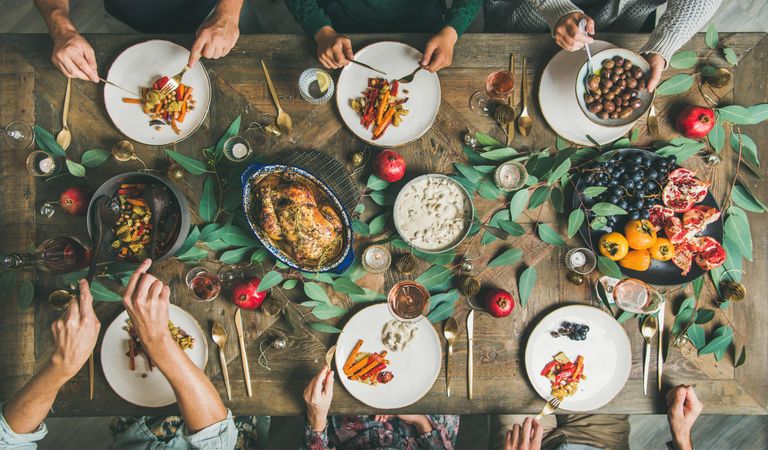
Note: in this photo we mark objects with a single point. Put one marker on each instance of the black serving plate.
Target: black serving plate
(662, 273)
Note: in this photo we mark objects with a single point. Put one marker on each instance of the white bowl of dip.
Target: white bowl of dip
(433, 213)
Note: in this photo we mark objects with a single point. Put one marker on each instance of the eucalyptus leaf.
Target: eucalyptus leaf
(695, 334)
(748, 147)
(730, 56)
(499, 154)
(517, 204)
(593, 191)
(526, 284)
(207, 207)
(101, 293)
(506, 258)
(361, 227)
(716, 137)
(676, 84)
(368, 296)
(513, 228)
(598, 223)
(575, 220)
(26, 294)
(704, 316)
(259, 256)
(681, 152)
(624, 316)
(442, 298)
(710, 38)
(347, 286)
(209, 232)
(442, 312)
(737, 229)
(47, 142)
(238, 237)
(270, 280)
(472, 156)
(486, 140)
(561, 170)
(376, 225)
(193, 254)
(758, 112)
(375, 183)
(561, 143)
(603, 296)
(434, 276)
(634, 134)
(735, 114)
(383, 198)
(321, 277)
(723, 337)
(742, 357)
(316, 292)
(697, 284)
(324, 312)
(484, 168)
(621, 143)
(75, 169)
(234, 256)
(191, 165)
(684, 59)
(550, 236)
(744, 198)
(608, 267)
(557, 199)
(217, 245)
(232, 130)
(539, 196)
(233, 200)
(309, 303)
(191, 240)
(94, 158)
(468, 185)
(607, 209)
(324, 328)
(488, 190)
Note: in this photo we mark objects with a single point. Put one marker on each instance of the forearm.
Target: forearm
(56, 16)
(678, 24)
(229, 8)
(462, 13)
(198, 400)
(309, 15)
(553, 10)
(29, 407)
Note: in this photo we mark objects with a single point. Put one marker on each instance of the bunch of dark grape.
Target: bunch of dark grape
(574, 331)
(634, 182)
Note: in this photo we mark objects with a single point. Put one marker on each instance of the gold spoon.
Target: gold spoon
(329, 355)
(64, 138)
(524, 122)
(450, 331)
(219, 335)
(283, 119)
(648, 329)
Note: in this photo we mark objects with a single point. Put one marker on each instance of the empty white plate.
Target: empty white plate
(559, 105)
(141, 65)
(415, 369)
(397, 60)
(607, 356)
(141, 386)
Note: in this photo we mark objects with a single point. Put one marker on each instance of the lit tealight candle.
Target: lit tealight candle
(376, 259)
(578, 259)
(46, 165)
(239, 150)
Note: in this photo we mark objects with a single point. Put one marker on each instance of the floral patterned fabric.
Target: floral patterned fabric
(363, 432)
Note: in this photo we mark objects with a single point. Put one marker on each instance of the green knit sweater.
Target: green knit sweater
(312, 17)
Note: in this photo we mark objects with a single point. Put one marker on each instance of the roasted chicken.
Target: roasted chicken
(295, 216)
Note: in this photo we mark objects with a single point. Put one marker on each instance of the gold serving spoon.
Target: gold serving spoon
(219, 335)
(64, 138)
(648, 330)
(524, 122)
(450, 331)
(283, 119)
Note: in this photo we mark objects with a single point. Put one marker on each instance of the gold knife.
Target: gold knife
(660, 356)
(510, 102)
(243, 355)
(119, 87)
(470, 338)
(367, 67)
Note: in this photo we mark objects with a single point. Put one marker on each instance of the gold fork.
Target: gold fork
(549, 408)
(173, 83)
(653, 121)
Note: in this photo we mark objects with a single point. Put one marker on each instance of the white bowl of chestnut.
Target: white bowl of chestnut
(616, 94)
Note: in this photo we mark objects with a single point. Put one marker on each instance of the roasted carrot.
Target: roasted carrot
(360, 364)
(381, 126)
(187, 93)
(382, 107)
(180, 92)
(378, 358)
(183, 112)
(157, 108)
(131, 100)
(351, 358)
(175, 127)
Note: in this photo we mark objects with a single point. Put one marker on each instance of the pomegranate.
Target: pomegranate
(246, 295)
(709, 252)
(499, 303)
(696, 220)
(683, 257)
(389, 166)
(75, 201)
(695, 121)
(659, 215)
(683, 190)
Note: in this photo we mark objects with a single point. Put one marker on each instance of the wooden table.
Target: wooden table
(32, 89)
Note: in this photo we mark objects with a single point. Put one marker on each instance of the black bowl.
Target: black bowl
(662, 273)
(178, 211)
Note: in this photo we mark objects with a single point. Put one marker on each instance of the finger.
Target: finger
(678, 399)
(590, 26)
(338, 56)
(582, 38)
(155, 290)
(428, 51)
(196, 51)
(655, 77)
(508, 440)
(527, 427)
(538, 434)
(324, 61)
(208, 50)
(219, 52)
(134, 280)
(317, 389)
(328, 386)
(165, 294)
(515, 435)
(90, 58)
(73, 310)
(74, 71)
(86, 299)
(346, 46)
(142, 290)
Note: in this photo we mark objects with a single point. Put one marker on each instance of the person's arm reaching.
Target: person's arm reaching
(681, 20)
(684, 409)
(318, 396)
(334, 50)
(219, 33)
(438, 53)
(147, 301)
(75, 336)
(72, 54)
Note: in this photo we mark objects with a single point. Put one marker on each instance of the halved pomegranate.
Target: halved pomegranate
(709, 252)
(683, 190)
(659, 215)
(683, 257)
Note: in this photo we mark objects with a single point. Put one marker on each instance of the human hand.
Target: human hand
(567, 34)
(657, 63)
(215, 37)
(317, 396)
(684, 409)
(75, 334)
(333, 50)
(74, 56)
(527, 437)
(147, 301)
(420, 422)
(438, 52)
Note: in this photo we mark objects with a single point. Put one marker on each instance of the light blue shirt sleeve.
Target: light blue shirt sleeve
(218, 436)
(11, 440)
(221, 435)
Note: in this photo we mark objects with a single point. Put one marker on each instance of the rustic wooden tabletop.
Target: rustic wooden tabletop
(31, 89)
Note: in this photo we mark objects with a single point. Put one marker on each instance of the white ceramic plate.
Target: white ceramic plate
(139, 66)
(559, 105)
(607, 356)
(415, 369)
(142, 387)
(397, 60)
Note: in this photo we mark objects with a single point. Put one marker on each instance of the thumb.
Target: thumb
(590, 26)
(678, 400)
(428, 51)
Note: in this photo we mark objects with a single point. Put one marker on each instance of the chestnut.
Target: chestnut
(603, 115)
(609, 106)
(626, 113)
(595, 107)
(608, 64)
(593, 83)
(636, 103)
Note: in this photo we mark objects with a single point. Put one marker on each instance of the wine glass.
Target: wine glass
(634, 296)
(18, 134)
(498, 86)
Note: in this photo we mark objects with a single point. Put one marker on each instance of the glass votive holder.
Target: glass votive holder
(237, 149)
(311, 84)
(42, 164)
(510, 176)
(376, 259)
(205, 286)
(580, 260)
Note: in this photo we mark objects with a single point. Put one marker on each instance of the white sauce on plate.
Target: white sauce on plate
(431, 213)
(397, 335)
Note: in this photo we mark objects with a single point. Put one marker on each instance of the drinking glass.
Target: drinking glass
(637, 297)
(18, 134)
(408, 301)
(498, 86)
(204, 285)
(309, 86)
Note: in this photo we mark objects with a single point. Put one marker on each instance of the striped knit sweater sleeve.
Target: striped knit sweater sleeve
(678, 24)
